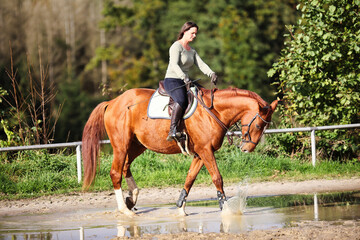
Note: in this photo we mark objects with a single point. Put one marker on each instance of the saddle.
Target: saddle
(163, 92)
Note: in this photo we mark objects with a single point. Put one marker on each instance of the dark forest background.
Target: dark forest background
(82, 52)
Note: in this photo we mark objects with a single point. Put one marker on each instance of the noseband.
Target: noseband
(247, 134)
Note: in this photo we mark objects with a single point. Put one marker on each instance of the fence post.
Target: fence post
(78, 161)
(313, 147)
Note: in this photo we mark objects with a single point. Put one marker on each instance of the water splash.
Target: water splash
(237, 204)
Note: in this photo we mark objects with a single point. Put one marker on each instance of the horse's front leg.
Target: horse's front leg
(210, 163)
(195, 167)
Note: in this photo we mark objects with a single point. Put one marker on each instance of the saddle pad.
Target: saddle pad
(158, 106)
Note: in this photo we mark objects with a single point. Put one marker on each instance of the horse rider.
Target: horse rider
(182, 58)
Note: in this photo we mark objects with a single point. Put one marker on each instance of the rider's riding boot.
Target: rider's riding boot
(176, 115)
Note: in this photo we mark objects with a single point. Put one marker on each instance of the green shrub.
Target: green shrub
(318, 77)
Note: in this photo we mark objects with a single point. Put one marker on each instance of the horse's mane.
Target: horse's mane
(238, 92)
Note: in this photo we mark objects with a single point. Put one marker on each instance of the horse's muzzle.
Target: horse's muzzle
(244, 150)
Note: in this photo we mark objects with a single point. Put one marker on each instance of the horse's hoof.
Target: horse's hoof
(129, 203)
(128, 212)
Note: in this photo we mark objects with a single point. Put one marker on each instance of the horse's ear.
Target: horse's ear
(273, 105)
(269, 108)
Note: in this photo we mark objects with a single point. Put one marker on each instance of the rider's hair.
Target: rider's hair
(185, 28)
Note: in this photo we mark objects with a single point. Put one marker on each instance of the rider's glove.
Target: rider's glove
(214, 78)
(187, 80)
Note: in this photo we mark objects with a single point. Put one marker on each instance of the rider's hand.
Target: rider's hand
(214, 78)
(187, 80)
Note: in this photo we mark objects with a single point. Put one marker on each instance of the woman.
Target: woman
(182, 58)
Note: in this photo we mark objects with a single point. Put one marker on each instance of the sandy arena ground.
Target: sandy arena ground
(302, 230)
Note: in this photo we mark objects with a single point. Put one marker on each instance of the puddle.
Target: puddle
(261, 213)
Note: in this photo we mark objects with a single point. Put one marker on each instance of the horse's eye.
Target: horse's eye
(257, 126)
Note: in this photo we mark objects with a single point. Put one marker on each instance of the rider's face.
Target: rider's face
(190, 34)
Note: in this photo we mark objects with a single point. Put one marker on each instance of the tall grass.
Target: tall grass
(35, 173)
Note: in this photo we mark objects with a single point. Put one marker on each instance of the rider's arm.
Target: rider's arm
(202, 65)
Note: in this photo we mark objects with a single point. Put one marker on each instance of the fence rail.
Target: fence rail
(268, 131)
(312, 130)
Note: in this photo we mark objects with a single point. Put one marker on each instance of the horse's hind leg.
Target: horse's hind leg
(116, 177)
(135, 150)
(133, 192)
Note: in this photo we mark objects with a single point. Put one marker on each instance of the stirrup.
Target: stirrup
(170, 137)
(173, 135)
(183, 143)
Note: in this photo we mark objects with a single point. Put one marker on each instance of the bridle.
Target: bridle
(247, 134)
(223, 126)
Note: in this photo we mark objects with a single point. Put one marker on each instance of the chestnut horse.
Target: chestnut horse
(131, 132)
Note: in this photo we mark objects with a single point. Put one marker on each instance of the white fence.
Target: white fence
(55, 145)
(268, 131)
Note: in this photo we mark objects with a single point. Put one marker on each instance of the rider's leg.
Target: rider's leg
(177, 90)
(176, 116)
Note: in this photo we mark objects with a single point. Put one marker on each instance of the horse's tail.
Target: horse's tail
(94, 131)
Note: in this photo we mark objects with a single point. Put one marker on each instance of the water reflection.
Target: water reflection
(299, 208)
(134, 231)
(82, 234)
(261, 213)
(203, 221)
(316, 208)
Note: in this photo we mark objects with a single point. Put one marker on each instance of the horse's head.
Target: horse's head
(253, 125)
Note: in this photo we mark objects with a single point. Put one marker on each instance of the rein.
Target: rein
(208, 110)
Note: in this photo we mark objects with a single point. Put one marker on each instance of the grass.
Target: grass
(37, 173)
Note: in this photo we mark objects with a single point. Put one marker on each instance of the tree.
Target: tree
(319, 75)
(239, 40)
(56, 36)
(80, 105)
(252, 37)
(132, 52)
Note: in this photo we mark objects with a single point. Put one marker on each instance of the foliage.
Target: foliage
(2, 113)
(318, 76)
(3, 92)
(238, 39)
(77, 106)
(133, 60)
(58, 37)
(115, 45)
(251, 33)
(27, 120)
